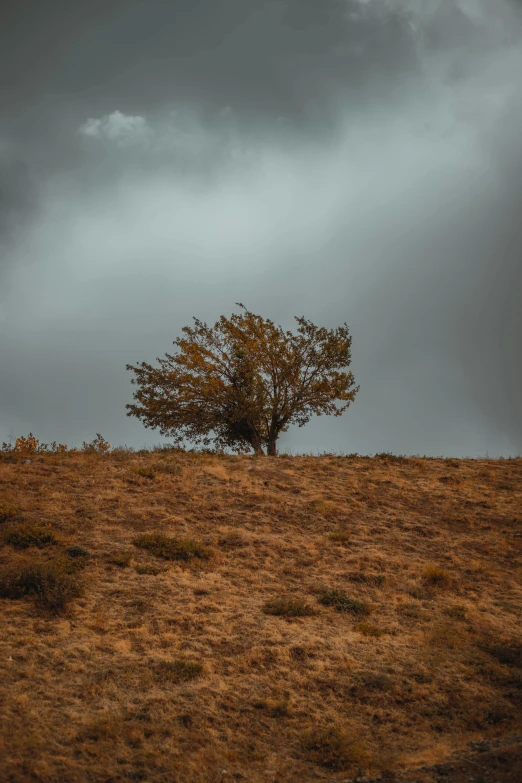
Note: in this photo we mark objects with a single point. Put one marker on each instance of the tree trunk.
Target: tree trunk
(256, 445)
(271, 448)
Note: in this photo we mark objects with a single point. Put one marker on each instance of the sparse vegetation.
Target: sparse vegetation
(170, 669)
(7, 512)
(340, 537)
(120, 560)
(436, 577)
(341, 602)
(77, 552)
(172, 548)
(177, 671)
(289, 607)
(26, 534)
(334, 748)
(51, 584)
(367, 629)
(145, 472)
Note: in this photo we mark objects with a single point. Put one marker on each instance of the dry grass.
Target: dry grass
(136, 643)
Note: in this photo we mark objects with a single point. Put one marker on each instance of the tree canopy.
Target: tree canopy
(243, 381)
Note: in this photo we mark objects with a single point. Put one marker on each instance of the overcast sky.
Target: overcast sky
(339, 159)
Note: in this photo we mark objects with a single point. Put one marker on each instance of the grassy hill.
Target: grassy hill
(195, 618)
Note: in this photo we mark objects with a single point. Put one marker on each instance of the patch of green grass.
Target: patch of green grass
(8, 512)
(177, 671)
(333, 747)
(172, 548)
(343, 603)
(26, 534)
(289, 607)
(51, 584)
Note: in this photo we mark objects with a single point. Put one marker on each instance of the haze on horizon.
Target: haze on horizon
(343, 160)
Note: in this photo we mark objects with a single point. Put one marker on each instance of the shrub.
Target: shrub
(177, 671)
(288, 607)
(7, 512)
(51, 584)
(76, 552)
(27, 447)
(97, 446)
(28, 534)
(77, 558)
(172, 548)
(340, 537)
(436, 577)
(370, 630)
(361, 576)
(508, 653)
(387, 456)
(333, 748)
(148, 569)
(147, 473)
(456, 612)
(121, 560)
(232, 540)
(342, 603)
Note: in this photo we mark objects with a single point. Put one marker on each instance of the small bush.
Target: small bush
(367, 579)
(121, 560)
(28, 534)
(456, 612)
(76, 552)
(7, 512)
(177, 671)
(147, 473)
(172, 548)
(452, 463)
(436, 577)
(508, 653)
(288, 607)
(342, 603)
(148, 569)
(170, 468)
(387, 456)
(340, 537)
(333, 748)
(78, 557)
(50, 584)
(370, 630)
(232, 540)
(97, 446)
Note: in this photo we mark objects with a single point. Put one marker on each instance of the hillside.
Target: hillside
(333, 616)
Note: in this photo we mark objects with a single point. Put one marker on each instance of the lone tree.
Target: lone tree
(242, 382)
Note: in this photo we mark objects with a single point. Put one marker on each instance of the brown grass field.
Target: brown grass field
(333, 617)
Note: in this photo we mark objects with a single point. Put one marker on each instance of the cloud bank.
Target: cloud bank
(365, 167)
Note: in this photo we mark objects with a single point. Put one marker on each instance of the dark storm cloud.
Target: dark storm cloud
(353, 161)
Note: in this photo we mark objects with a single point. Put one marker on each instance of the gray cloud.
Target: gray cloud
(343, 160)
